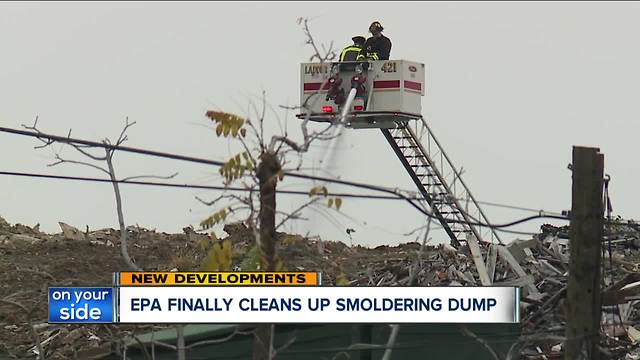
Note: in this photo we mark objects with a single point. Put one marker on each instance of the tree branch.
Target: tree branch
(123, 137)
(391, 342)
(235, 332)
(34, 127)
(307, 138)
(62, 161)
(416, 265)
(297, 211)
(86, 153)
(284, 346)
(466, 332)
(222, 197)
(328, 55)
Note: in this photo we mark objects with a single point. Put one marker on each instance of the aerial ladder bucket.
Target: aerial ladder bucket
(387, 94)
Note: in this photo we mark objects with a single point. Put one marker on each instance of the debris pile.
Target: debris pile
(31, 260)
(546, 258)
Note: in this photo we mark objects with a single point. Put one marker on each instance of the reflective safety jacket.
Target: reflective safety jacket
(376, 48)
(368, 56)
(350, 53)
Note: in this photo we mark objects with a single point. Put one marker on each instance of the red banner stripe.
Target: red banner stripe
(311, 86)
(412, 85)
(386, 84)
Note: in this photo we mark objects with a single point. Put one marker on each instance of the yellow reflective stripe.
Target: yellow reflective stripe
(369, 55)
(347, 50)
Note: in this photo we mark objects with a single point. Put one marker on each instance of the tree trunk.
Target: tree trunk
(268, 177)
(123, 229)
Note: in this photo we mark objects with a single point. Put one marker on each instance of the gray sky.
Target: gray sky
(510, 88)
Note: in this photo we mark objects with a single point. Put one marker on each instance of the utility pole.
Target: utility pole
(583, 291)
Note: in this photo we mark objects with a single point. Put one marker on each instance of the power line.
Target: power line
(192, 186)
(211, 187)
(517, 232)
(513, 207)
(292, 192)
(69, 139)
(220, 163)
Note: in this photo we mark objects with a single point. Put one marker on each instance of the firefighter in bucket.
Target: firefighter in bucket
(378, 46)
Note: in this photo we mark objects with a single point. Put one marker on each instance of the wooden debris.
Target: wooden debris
(515, 266)
(71, 233)
(477, 259)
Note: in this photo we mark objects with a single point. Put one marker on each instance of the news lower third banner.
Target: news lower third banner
(82, 305)
(294, 299)
(219, 278)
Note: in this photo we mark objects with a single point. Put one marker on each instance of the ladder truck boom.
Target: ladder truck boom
(388, 95)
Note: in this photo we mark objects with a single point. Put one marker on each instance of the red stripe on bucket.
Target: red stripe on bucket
(412, 85)
(315, 86)
(386, 84)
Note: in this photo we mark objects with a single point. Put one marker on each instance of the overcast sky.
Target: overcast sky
(510, 88)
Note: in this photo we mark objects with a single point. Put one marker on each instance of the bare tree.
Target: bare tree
(94, 161)
(260, 166)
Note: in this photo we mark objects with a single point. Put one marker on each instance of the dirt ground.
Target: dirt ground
(27, 269)
(31, 261)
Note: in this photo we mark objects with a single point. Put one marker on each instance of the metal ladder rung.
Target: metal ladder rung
(425, 160)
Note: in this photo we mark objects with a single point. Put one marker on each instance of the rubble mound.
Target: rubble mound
(31, 260)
